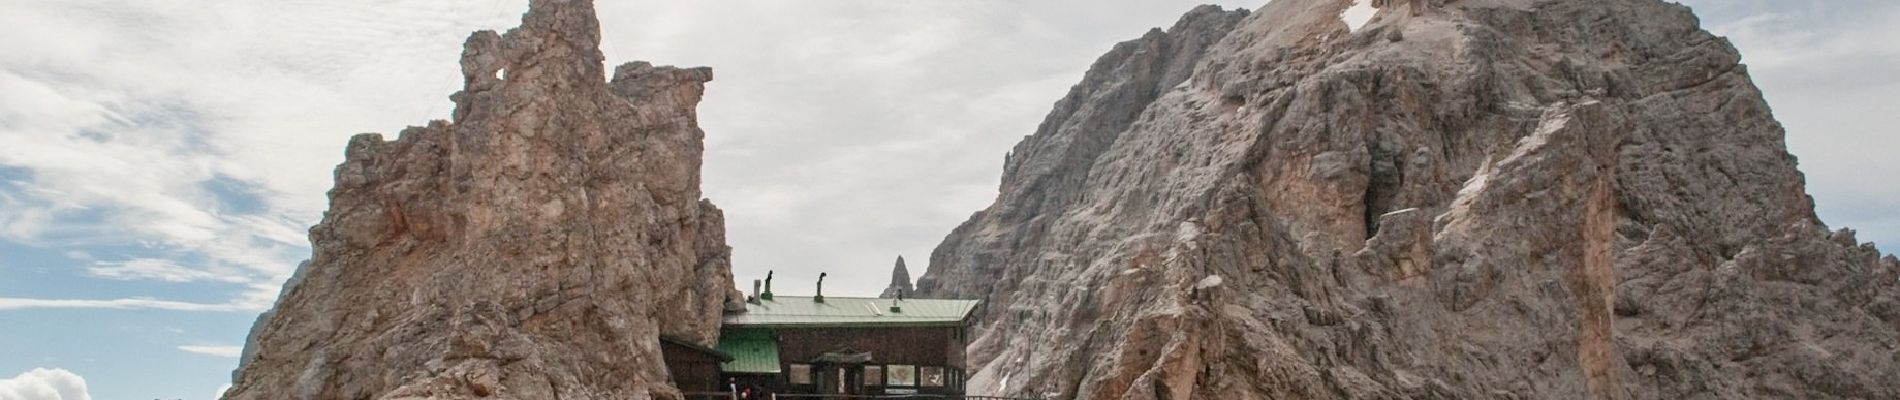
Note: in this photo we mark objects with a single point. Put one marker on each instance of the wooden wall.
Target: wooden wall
(915, 346)
(693, 370)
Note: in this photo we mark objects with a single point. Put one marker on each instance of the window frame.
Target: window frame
(795, 371)
(872, 376)
(924, 377)
(891, 375)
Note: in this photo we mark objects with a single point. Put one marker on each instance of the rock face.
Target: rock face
(534, 248)
(1473, 199)
(900, 282)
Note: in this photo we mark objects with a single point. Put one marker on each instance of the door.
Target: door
(841, 379)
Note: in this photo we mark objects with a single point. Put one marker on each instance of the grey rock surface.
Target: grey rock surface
(535, 247)
(901, 285)
(1502, 199)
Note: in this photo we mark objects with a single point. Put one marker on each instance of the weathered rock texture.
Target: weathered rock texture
(1488, 199)
(534, 248)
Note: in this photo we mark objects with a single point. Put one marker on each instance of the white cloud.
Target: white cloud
(134, 120)
(221, 390)
(220, 351)
(156, 269)
(135, 303)
(257, 296)
(45, 384)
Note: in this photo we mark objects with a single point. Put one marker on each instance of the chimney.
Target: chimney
(755, 292)
(820, 296)
(767, 296)
(897, 309)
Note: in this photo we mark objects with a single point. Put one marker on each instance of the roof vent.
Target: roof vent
(767, 296)
(754, 299)
(820, 296)
(897, 309)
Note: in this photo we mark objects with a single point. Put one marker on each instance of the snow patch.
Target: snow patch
(1398, 212)
(1211, 281)
(1358, 15)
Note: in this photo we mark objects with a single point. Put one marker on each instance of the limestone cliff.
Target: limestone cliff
(1462, 199)
(535, 247)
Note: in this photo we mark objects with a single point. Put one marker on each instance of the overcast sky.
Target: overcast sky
(161, 160)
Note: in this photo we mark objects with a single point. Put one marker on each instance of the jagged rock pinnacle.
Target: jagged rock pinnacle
(900, 282)
(534, 247)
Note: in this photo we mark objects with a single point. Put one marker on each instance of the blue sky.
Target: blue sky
(161, 160)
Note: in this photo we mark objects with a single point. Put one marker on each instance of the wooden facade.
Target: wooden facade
(851, 346)
(694, 368)
(898, 360)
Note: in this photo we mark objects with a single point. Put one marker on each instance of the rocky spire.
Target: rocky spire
(900, 281)
(534, 247)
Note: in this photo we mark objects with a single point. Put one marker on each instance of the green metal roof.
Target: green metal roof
(789, 311)
(722, 356)
(753, 351)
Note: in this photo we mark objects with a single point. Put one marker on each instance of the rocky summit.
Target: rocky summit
(900, 282)
(535, 247)
(1476, 199)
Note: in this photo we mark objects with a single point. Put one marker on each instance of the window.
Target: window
(901, 375)
(932, 376)
(873, 376)
(799, 374)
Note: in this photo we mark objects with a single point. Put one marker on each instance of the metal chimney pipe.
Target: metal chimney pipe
(820, 296)
(768, 287)
(755, 292)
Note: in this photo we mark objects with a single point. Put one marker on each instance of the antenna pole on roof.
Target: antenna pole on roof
(820, 296)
